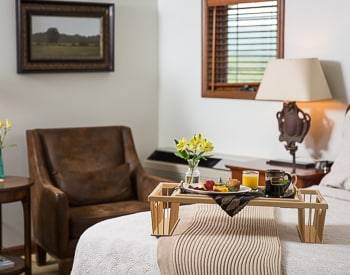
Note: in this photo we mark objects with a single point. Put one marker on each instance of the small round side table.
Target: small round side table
(14, 189)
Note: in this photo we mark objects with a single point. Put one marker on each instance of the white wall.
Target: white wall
(313, 29)
(125, 97)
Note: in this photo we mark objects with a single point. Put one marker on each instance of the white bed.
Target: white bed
(124, 245)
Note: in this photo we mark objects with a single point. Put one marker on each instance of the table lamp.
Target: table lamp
(291, 80)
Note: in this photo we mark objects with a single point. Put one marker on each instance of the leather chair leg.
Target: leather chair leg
(65, 266)
(40, 255)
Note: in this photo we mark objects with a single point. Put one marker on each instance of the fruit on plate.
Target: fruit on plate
(220, 188)
(209, 185)
(233, 185)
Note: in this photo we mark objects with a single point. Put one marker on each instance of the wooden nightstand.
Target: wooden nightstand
(306, 177)
(11, 190)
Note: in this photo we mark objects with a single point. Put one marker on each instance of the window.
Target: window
(239, 38)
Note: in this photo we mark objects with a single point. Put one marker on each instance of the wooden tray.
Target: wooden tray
(310, 205)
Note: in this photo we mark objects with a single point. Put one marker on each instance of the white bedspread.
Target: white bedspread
(124, 245)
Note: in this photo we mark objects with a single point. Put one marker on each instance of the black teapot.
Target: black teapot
(277, 182)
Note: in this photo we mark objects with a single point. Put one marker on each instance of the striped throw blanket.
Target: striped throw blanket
(209, 242)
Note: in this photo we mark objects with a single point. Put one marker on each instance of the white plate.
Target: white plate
(242, 189)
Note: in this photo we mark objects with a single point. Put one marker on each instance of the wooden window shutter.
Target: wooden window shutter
(239, 38)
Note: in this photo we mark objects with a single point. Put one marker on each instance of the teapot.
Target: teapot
(277, 182)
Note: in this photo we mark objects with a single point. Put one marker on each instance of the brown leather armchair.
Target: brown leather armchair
(82, 176)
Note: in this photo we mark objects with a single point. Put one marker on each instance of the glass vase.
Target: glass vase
(192, 175)
(2, 170)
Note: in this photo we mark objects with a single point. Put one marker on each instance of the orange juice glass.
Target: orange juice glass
(250, 179)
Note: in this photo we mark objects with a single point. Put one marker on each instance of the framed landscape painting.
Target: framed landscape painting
(64, 36)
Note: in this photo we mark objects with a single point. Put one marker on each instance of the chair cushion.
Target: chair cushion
(101, 186)
(83, 217)
(83, 149)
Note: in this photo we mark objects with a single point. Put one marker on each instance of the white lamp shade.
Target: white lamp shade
(294, 80)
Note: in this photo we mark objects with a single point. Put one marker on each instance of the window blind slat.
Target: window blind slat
(230, 2)
(252, 7)
(244, 62)
(246, 44)
(255, 14)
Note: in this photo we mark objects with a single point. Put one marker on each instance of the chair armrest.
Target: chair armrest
(146, 184)
(52, 217)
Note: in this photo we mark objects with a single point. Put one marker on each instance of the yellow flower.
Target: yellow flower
(206, 146)
(195, 147)
(2, 123)
(195, 142)
(182, 145)
(8, 124)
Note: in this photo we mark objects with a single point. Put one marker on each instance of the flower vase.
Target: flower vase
(2, 170)
(192, 174)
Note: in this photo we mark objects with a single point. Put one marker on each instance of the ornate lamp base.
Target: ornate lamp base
(293, 124)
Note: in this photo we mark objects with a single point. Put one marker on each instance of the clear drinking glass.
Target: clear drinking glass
(250, 179)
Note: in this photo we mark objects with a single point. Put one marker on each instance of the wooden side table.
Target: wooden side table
(306, 177)
(11, 190)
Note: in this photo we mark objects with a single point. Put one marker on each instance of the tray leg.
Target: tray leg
(319, 221)
(165, 217)
(301, 224)
(174, 216)
(312, 232)
(157, 213)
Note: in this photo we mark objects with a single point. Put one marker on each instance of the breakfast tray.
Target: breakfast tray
(166, 198)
